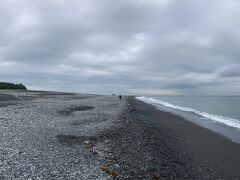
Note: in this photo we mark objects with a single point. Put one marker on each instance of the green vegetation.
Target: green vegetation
(4, 85)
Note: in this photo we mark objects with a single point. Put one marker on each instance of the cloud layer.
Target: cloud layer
(135, 46)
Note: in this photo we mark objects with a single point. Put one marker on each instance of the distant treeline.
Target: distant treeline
(4, 85)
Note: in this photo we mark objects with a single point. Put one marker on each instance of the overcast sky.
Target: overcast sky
(147, 47)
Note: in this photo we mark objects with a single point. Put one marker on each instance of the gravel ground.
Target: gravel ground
(48, 135)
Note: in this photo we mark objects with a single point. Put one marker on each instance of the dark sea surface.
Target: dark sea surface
(218, 113)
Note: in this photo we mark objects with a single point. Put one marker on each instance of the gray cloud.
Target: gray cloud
(136, 46)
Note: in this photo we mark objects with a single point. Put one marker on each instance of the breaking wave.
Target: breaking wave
(217, 118)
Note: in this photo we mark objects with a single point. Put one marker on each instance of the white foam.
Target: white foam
(217, 118)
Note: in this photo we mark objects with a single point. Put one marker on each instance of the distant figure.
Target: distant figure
(120, 97)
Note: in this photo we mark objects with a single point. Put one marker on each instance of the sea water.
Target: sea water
(218, 113)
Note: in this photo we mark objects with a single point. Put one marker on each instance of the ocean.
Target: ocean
(221, 114)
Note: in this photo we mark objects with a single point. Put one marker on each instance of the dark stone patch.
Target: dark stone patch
(7, 97)
(69, 111)
(83, 97)
(71, 140)
(27, 98)
(88, 121)
(6, 104)
(48, 93)
(8, 100)
(80, 140)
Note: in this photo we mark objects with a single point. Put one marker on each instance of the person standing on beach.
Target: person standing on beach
(120, 97)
